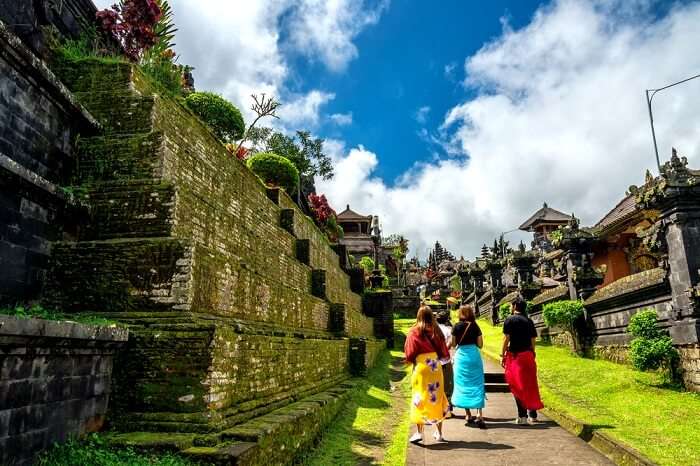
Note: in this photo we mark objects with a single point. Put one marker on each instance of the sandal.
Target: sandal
(480, 423)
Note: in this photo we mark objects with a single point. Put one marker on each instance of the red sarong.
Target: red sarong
(521, 375)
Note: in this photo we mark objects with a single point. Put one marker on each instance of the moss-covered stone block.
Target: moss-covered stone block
(357, 357)
(318, 283)
(357, 279)
(336, 319)
(303, 251)
(287, 220)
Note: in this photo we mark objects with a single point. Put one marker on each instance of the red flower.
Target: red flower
(322, 211)
(132, 25)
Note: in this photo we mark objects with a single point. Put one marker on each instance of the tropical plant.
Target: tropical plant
(565, 314)
(263, 107)
(224, 119)
(305, 152)
(367, 264)
(651, 349)
(325, 217)
(132, 23)
(274, 170)
(504, 311)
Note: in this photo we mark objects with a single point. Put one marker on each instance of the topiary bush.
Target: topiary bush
(224, 119)
(564, 314)
(274, 170)
(643, 325)
(504, 311)
(651, 349)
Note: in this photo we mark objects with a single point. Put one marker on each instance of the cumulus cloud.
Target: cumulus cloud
(421, 115)
(236, 47)
(558, 115)
(304, 110)
(341, 119)
(326, 28)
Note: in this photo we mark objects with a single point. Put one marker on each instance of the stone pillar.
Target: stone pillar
(466, 280)
(582, 278)
(524, 264)
(676, 194)
(379, 306)
(495, 279)
(357, 354)
(477, 274)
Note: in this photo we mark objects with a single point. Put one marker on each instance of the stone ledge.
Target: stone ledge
(618, 452)
(42, 329)
(628, 286)
(550, 295)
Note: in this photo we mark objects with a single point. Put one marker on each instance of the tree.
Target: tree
(565, 314)
(304, 151)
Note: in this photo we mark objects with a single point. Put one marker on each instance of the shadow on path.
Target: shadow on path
(463, 445)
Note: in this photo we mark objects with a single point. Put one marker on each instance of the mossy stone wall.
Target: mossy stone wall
(184, 243)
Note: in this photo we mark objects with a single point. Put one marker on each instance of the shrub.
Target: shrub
(274, 170)
(219, 114)
(367, 264)
(650, 349)
(564, 314)
(643, 325)
(504, 311)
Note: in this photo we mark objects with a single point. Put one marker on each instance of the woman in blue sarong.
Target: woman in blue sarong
(469, 392)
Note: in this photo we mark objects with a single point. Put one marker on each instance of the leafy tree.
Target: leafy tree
(564, 314)
(367, 264)
(304, 151)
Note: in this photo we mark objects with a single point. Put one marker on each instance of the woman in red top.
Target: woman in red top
(425, 348)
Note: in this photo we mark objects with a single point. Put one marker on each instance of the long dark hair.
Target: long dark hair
(426, 324)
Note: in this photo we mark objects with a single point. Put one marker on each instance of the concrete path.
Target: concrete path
(503, 443)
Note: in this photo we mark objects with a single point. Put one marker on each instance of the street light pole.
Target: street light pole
(650, 93)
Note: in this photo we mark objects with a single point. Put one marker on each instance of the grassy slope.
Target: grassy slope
(365, 431)
(93, 451)
(662, 424)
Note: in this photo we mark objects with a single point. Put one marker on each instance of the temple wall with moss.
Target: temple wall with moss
(240, 311)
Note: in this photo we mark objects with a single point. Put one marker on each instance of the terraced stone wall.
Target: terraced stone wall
(230, 288)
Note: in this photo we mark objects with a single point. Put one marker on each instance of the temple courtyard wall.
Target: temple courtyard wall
(245, 324)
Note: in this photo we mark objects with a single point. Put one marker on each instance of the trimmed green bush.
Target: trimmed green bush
(564, 314)
(650, 349)
(643, 325)
(504, 311)
(224, 119)
(274, 170)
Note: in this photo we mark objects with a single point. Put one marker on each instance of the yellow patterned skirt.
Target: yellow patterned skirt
(429, 403)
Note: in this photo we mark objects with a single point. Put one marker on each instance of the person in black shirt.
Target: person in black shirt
(518, 359)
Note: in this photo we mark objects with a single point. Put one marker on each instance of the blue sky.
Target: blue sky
(401, 68)
(543, 101)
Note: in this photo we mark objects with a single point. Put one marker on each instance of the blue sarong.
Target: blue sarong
(469, 392)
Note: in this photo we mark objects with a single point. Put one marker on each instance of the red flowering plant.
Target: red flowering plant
(132, 23)
(241, 152)
(325, 217)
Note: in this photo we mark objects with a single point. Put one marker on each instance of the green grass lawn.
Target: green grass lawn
(631, 406)
(366, 431)
(93, 451)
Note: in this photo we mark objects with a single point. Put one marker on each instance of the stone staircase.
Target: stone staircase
(245, 323)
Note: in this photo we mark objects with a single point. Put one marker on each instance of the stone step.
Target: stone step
(119, 158)
(139, 209)
(497, 388)
(494, 377)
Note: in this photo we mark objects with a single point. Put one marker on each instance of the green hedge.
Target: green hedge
(274, 170)
(224, 119)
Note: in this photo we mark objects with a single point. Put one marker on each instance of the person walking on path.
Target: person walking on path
(518, 359)
(443, 320)
(425, 348)
(469, 392)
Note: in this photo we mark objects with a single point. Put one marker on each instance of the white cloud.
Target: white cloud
(449, 71)
(559, 115)
(325, 29)
(236, 47)
(421, 115)
(341, 119)
(303, 111)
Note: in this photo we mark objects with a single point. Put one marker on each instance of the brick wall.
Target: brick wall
(54, 382)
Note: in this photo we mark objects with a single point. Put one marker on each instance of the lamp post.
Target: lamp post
(650, 96)
(375, 232)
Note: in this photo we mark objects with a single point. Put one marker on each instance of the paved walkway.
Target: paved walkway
(503, 443)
